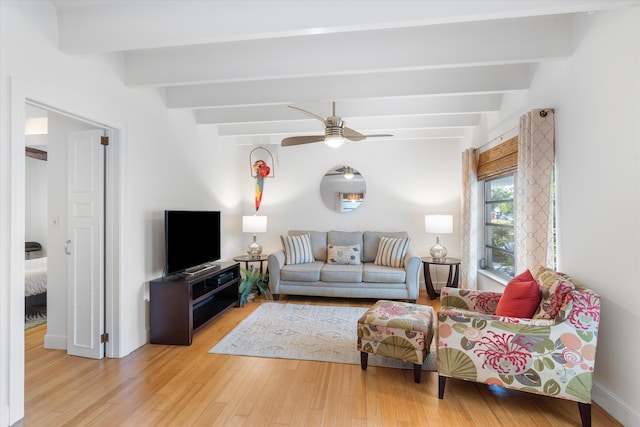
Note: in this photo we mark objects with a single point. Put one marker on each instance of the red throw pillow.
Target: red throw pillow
(523, 277)
(521, 297)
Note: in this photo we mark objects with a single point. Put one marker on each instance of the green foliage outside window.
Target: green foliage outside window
(499, 225)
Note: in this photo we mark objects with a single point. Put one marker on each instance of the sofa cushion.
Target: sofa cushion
(309, 272)
(343, 254)
(373, 273)
(297, 249)
(391, 252)
(345, 238)
(318, 242)
(341, 273)
(372, 240)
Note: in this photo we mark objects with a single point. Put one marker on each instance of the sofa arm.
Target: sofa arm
(412, 264)
(275, 262)
(468, 299)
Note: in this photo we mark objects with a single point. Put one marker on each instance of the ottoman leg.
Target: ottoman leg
(417, 370)
(364, 360)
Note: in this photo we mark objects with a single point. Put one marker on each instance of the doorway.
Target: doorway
(70, 325)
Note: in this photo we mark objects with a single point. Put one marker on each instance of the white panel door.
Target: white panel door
(85, 244)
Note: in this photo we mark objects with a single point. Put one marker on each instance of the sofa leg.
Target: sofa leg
(442, 381)
(417, 370)
(364, 360)
(276, 297)
(585, 413)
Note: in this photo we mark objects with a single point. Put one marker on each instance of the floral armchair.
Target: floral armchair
(552, 354)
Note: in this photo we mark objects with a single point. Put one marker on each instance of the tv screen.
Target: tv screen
(191, 238)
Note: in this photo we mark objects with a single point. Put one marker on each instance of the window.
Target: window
(499, 244)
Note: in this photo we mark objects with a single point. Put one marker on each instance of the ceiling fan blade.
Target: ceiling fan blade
(363, 137)
(299, 140)
(353, 135)
(309, 113)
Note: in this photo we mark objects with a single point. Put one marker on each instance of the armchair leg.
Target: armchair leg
(442, 381)
(585, 413)
(364, 360)
(276, 297)
(417, 370)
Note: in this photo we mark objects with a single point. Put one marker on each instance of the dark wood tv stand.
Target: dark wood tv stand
(183, 303)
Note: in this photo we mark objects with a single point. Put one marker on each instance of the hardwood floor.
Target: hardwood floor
(184, 386)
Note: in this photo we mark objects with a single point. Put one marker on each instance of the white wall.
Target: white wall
(596, 97)
(405, 180)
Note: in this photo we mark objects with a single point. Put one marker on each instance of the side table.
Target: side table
(248, 258)
(452, 280)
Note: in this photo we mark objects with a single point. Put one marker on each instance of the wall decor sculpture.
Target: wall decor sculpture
(260, 170)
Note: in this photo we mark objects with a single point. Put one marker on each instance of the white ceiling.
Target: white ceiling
(417, 69)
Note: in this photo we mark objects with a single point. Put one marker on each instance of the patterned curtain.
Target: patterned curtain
(469, 264)
(533, 218)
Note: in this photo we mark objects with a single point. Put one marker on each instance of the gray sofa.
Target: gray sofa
(365, 280)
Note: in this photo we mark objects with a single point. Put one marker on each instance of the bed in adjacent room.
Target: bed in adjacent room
(35, 272)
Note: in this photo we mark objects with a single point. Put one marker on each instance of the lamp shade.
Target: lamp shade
(438, 224)
(254, 224)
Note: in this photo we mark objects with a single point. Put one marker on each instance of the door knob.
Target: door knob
(66, 247)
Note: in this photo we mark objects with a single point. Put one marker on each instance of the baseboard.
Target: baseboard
(55, 342)
(614, 406)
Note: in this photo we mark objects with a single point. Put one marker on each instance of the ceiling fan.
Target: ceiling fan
(335, 131)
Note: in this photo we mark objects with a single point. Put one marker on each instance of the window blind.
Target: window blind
(499, 160)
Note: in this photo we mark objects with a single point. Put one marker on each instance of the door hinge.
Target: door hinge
(104, 337)
(104, 140)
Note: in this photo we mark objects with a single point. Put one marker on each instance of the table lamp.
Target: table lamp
(254, 224)
(438, 224)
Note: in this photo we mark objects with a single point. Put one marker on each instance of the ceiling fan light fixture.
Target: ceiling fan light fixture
(334, 141)
(348, 172)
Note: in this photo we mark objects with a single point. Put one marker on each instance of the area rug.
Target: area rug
(305, 332)
(34, 316)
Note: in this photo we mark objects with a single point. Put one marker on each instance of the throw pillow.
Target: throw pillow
(391, 252)
(525, 276)
(555, 287)
(297, 249)
(343, 254)
(521, 297)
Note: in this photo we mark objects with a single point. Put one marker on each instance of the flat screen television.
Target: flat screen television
(192, 238)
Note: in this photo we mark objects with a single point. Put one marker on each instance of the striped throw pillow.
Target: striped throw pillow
(391, 252)
(297, 249)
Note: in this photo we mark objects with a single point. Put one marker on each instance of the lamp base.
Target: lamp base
(437, 251)
(254, 249)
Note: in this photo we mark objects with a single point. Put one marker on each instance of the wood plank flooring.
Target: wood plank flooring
(185, 386)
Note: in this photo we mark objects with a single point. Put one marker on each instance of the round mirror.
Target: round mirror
(342, 189)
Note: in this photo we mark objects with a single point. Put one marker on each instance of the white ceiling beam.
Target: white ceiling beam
(363, 125)
(422, 105)
(88, 26)
(436, 46)
(258, 140)
(392, 84)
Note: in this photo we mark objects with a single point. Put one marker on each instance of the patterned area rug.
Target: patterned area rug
(35, 316)
(305, 332)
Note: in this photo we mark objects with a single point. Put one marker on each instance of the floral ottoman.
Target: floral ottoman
(398, 330)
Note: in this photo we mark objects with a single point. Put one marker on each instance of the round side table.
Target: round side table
(248, 258)
(452, 280)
